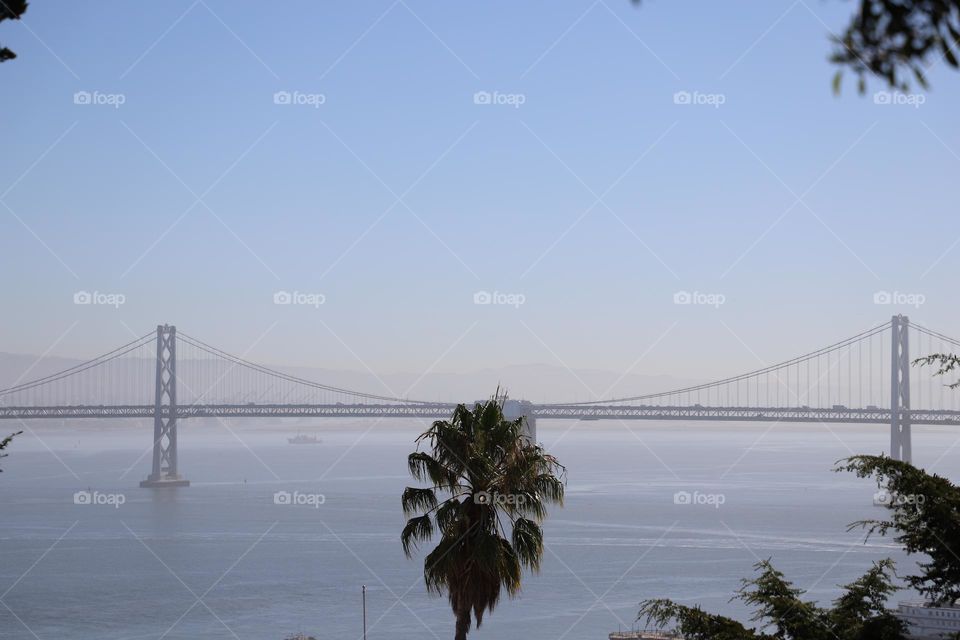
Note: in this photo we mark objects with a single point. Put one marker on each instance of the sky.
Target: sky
(586, 164)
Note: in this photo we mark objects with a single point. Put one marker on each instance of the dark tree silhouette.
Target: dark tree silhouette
(896, 40)
(925, 515)
(860, 613)
(5, 442)
(10, 10)
(495, 484)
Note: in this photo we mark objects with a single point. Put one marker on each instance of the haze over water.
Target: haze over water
(264, 570)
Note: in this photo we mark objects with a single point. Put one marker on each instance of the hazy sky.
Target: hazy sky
(584, 188)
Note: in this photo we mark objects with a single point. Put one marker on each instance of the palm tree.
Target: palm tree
(498, 484)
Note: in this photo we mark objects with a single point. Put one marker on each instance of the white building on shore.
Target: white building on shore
(927, 622)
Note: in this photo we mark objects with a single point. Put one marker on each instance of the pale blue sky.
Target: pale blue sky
(704, 199)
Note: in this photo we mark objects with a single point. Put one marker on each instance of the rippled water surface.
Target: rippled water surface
(221, 560)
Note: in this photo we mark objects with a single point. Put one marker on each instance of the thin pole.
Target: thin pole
(364, 591)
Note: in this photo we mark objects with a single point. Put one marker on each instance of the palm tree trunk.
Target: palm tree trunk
(463, 624)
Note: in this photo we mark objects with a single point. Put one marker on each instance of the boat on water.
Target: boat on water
(303, 439)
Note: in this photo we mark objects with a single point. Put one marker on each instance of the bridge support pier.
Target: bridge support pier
(164, 473)
(513, 409)
(900, 439)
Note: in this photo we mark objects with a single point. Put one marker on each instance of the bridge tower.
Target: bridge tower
(900, 441)
(164, 473)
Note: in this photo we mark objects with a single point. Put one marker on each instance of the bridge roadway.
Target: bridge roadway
(543, 412)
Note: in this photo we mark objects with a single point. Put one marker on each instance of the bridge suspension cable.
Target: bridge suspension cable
(770, 370)
(285, 377)
(84, 366)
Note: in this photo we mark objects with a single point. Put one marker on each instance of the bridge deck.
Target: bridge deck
(440, 411)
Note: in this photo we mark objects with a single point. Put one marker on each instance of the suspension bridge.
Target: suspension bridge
(170, 376)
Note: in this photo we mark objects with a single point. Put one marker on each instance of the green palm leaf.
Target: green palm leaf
(496, 486)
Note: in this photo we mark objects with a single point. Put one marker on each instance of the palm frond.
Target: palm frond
(414, 500)
(417, 530)
(528, 543)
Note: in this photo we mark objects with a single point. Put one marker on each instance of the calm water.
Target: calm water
(263, 570)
